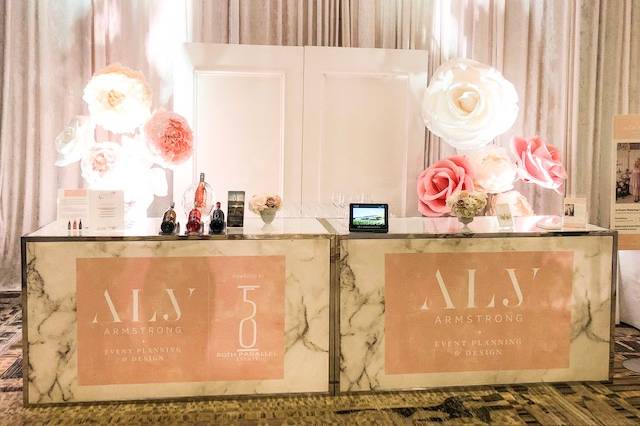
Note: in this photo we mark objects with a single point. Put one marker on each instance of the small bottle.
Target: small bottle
(168, 224)
(69, 226)
(75, 225)
(194, 222)
(216, 226)
(201, 193)
(80, 224)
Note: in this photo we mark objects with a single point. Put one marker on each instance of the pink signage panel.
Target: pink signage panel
(447, 312)
(180, 319)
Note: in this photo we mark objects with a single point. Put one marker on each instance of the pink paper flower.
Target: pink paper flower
(538, 162)
(169, 137)
(439, 181)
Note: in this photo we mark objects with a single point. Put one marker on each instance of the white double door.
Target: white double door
(318, 125)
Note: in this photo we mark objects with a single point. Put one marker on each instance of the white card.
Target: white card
(575, 213)
(107, 210)
(503, 213)
(73, 208)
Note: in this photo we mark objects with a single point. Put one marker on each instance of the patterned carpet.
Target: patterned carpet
(616, 403)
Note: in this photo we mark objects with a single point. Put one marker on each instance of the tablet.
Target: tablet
(368, 217)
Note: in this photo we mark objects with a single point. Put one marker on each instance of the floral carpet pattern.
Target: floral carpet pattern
(615, 403)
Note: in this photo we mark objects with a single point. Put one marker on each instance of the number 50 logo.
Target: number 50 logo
(248, 328)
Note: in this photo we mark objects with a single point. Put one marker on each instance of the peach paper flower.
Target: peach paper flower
(538, 162)
(439, 181)
(119, 98)
(169, 137)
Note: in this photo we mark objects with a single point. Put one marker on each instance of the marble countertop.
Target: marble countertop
(486, 226)
(449, 226)
(150, 229)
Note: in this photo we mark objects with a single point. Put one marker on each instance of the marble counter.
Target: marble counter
(134, 317)
(304, 306)
(420, 312)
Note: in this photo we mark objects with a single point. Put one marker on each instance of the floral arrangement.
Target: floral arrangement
(135, 145)
(468, 104)
(260, 203)
(491, 171)
(467, 204)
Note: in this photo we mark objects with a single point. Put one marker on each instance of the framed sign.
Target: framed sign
(625, 171)
(235, 209)
(575, 213)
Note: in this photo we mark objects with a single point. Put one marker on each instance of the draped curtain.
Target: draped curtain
(574, 64)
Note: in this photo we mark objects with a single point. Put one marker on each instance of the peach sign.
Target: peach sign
(448, 312)
(180, 319)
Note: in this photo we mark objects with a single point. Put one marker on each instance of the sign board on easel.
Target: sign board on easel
(625, 202)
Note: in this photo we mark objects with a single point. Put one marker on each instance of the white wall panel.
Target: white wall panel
(362, 128)
(360, 131)
(245, 106)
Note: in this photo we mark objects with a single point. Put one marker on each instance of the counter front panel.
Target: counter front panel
(418, 313)
(112, 320)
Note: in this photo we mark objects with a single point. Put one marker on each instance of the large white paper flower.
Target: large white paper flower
(494, 172)
(119, 99)
(74, 140)
(468, 104)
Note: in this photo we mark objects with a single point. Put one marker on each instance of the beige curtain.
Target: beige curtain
(574, 63)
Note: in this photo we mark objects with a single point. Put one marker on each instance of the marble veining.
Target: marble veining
(52, 329)
(362, 311)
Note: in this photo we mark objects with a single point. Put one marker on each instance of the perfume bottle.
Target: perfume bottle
(194, 222)
(201, 193)
(216, 226)
(168, 224)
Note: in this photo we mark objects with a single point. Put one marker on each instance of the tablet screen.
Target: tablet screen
(368, 217)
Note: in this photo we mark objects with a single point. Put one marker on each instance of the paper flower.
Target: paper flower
(259, 203)
(538, 162)
(169, 137)
(74, 140)
(467, 203)
(439, 181)
(468, 104)
(493, 169)
(119, 99)
(519, 204)
(101, 166)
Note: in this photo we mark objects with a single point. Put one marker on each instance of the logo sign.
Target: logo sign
(477, 311)
(157, 320)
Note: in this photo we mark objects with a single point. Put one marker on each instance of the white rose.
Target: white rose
(518, 202)
(493, 169)
(468, 104)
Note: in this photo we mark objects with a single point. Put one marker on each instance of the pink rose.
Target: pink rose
(538, 162)
(439, 181)
(169, 136)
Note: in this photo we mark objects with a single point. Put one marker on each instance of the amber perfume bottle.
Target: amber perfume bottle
(168, 224)
(201, 193)
(195, 221)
